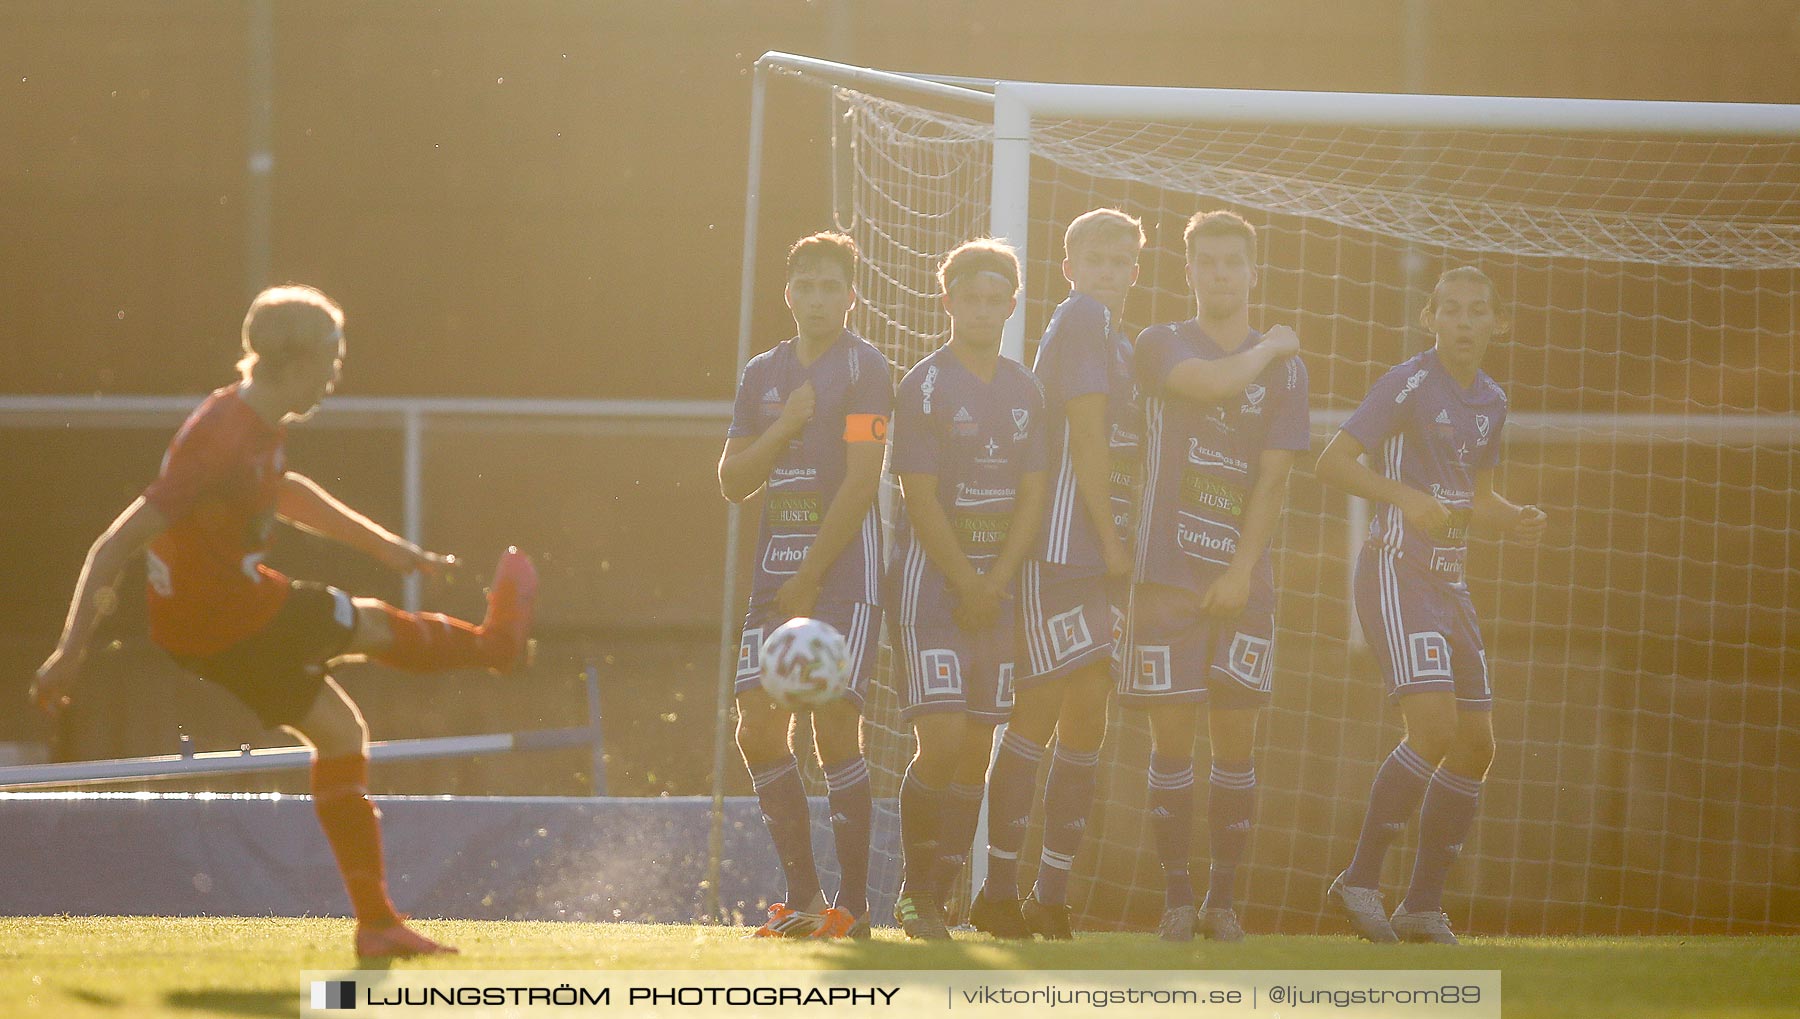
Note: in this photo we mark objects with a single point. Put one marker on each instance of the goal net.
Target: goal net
(1646, 659)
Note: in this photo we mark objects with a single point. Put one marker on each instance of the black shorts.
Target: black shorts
(279, 671)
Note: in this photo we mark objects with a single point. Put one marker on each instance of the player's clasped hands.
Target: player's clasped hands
(1228, 595)
(979, 604)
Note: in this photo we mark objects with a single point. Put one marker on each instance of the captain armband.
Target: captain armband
(865, 427)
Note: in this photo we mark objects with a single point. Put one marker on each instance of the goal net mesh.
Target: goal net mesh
(1644, 659)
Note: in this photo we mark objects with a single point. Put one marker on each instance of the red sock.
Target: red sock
(431, 642)
(340, 788)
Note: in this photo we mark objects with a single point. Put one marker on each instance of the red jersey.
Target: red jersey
(217, 488)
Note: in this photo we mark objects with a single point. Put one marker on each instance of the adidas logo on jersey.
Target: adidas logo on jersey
(772, 396)
(1443, 417)
(963, 416)
(1243, 825)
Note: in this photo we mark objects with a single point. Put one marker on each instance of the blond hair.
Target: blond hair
(1089, 227)
(284, 323)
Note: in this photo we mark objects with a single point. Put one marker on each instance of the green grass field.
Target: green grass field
(153, 967)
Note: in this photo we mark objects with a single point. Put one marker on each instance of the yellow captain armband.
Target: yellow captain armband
(865, 427)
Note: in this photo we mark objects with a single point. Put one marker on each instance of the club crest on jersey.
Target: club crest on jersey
(1481, 427)
(963, 423)
(1021, 420)
(1253, 395)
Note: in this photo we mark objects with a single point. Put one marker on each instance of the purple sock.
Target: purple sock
(1171, 822)
(783, 802)
(960, 813)
(1011, 782)
(847, 792)
(1449, 812)
(920, 806)
(1393, 800)
(1231, 801)
(1068, 799)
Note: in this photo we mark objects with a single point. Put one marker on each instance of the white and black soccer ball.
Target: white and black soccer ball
(805, 663)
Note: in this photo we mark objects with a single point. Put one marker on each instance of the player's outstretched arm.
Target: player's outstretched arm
(1205, 381)
(302, 503)
(1495, 514)
(1341, 467)
(1230, 592)
(94, 599)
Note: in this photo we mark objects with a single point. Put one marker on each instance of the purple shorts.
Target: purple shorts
(859, 622)
(1422, 630)
(1179, 653)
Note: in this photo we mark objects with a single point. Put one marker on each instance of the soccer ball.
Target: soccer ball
(805, 663)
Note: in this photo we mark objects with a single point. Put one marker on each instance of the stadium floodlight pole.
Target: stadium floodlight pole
(734, 514)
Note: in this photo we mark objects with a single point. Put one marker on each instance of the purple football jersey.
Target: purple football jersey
(1081, 355)
(851, 377)
(1201, 459)
(978, 438)
(1423, 429)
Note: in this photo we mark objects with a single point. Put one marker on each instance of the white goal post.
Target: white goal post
(1650, 729)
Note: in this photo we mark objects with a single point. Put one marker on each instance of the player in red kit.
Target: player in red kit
(205, 525)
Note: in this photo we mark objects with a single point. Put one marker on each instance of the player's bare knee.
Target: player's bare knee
(1172, 730)
(977, 753)
(837, 731)
(939, 738)
(1431, 724)
(1473, 752)
(1035, 715)
(761, 729)
(333, 725)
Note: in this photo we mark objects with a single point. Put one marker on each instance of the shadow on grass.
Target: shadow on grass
(257, 1003)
